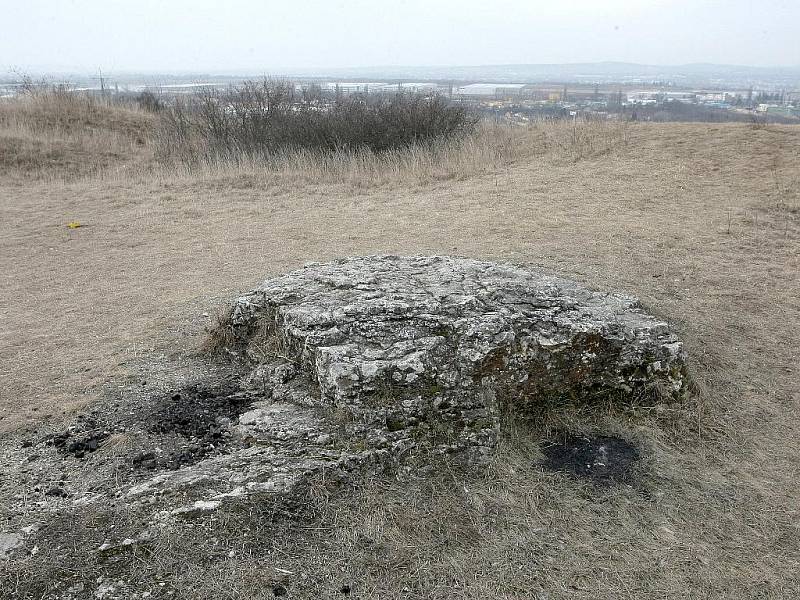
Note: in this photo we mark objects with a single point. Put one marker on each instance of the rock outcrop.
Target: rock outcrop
(371, 364)
(351, 368)
(436, 348)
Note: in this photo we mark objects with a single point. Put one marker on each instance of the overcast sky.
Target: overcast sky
(267, 35)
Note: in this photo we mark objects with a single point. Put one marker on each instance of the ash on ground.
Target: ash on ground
(603, 459)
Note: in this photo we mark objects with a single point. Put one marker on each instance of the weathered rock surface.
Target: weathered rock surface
(436, 347)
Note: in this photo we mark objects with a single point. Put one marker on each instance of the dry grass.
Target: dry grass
(687, 217)
(492, 148)
(60, 135)
(220, 332)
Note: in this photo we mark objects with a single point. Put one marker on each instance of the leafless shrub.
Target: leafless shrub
(150, 102)
(262, 119)
(757, 122)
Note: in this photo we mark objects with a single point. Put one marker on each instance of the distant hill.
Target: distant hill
(695, 74)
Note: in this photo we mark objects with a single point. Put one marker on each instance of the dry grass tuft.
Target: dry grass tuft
(58, 110)
(221, 338)
(58, 134)
(579, 139)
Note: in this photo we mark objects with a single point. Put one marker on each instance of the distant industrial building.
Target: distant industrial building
(679, 96)
(379, 87)
(483, 90)
(646, 97)
(359, 87)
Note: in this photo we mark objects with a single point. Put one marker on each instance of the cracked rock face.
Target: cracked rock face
(437, 347)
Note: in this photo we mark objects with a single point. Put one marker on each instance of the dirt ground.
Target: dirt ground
(702, 222)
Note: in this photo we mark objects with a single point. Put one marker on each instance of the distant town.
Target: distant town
(661, 98)
(522, 102)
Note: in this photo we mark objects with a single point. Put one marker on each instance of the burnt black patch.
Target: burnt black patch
(78, 444)
(84, 437)
(145, 460)
(603, 459)
(200, 415)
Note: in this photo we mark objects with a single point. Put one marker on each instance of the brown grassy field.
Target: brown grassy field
(701, 222)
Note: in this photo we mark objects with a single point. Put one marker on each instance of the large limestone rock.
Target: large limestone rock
(367, 365)
(364, 366)
(435, 348)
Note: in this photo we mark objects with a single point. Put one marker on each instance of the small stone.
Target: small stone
(284, 373)
(56, 492)
(8, 543)
(144, 460)
(395, 423)
(199, 507)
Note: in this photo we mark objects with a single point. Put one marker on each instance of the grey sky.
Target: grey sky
(267, 35)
